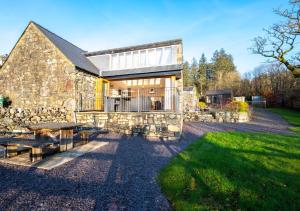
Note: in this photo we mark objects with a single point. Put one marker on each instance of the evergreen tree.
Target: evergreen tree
(194, 72)
(222, 65)
(203, 67)
(222, 62)
(186, 74)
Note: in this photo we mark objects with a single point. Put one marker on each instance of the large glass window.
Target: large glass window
(143, 58)
(128, 60)
(159, 56)
(115, 61)
(167, 57)
(151, 57)
(135, 59)
(122, 60)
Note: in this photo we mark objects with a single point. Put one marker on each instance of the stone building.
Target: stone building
(44, 70)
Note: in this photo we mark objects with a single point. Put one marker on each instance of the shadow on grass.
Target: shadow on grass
(212, 175)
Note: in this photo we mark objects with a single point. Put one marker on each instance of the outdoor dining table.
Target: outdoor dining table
(44, 130)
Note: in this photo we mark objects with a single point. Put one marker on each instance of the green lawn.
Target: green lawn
(291, 116)
(295, 129)
(232, 170)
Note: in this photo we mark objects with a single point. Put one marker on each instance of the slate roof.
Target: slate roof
(72, 52)
(135, 47)
(79, 57)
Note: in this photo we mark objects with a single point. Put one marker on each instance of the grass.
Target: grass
(291, 116)
(295, 129)
(232, 170)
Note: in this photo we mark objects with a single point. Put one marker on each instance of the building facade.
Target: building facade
(44, 70)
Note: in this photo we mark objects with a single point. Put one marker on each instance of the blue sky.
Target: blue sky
(204, 25)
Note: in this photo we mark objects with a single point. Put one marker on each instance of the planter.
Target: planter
(243, 117)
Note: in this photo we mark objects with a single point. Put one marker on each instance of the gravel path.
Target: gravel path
(119, 176)
(262, 121)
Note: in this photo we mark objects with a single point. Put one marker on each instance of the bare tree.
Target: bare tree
(280, 39)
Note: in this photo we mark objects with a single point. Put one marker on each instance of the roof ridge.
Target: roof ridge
(84, 51)
(165, 42)
(71, 51)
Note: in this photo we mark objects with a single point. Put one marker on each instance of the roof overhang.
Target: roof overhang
(167, 70)
(135, 47)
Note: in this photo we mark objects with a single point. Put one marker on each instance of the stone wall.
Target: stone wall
(37, 74)
(189, 101)
(159, 124)
(217, 116)
(85, 91)
(12, 119)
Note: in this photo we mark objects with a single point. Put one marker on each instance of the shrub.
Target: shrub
(202, 105)
(237, 106)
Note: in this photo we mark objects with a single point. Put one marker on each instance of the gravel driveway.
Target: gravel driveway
(118, 176)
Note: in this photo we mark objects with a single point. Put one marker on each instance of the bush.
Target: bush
(237, 106)
(202, 105)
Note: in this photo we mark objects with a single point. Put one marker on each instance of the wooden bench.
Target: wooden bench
(14, 150)
(38, 149)
(85, 136)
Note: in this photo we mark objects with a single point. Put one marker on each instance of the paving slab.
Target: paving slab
(55, 160)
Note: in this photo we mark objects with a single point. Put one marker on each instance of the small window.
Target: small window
(140, 82)
(152, 80)
(157, 81)
(146, 81)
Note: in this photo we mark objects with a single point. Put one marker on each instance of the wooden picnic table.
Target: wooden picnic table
(45, 135)
(35, 146)
(44, 131)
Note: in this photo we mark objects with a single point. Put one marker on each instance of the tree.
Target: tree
(194, 72)
(280, 39)
(273, 81)
(220, 73)
(222, 65)
(186, 74)
(203, 67)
